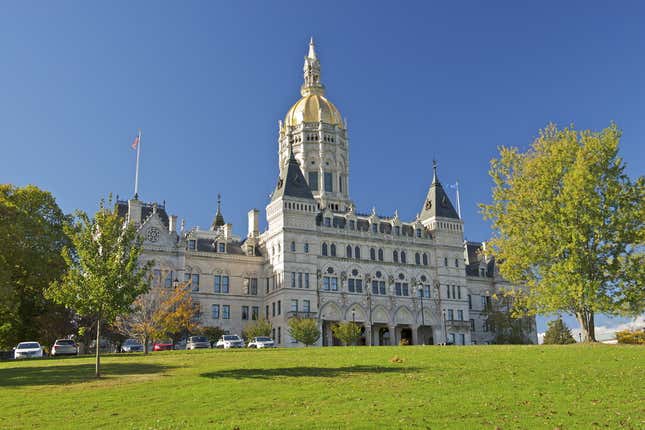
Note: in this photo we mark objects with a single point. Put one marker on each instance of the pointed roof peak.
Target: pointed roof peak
(218, 221)
(312, 49)
(434, 171)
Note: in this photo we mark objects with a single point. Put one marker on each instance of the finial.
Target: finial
(219, 202)
(312, 49)
(291, 154)
(434, 170)
(396, 214)
(183, 224)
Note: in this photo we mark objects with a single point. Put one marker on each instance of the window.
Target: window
(448, 291)
(328, 182)
(306, 280)
(306, 306)
(418, 232)
(220, 284)
(472, 325)
(327, 222)
(445, 261)
(195, 281)
(226, 312)
(333, 250)
(425, 259)
(313, 181)
(425, 291)
(348, 251)
(482, 272)
(340, 183)
(191, 245)
(255, 312)
(293, 279)
(279, 335)
(245, 312)
(470, 302)
(294, 305)
(268, 282)
(222, 247)
(397, 230)
(417, 258)
(330, 283)
(454, 296)
(456, 262)
(357, 253)
(462, 339)
(378, 287)
(306, 248)
(293, 246)
(324, 249)
(253, 286)
(451, 336)
(355, 285)
(459, 292)
(380, 255)
(279, 307)
(401, 289)
(460, 315)
(168, 281)
(374, 228)
(403, 258)
(299, 279)
(215, 312)
(451, 314)
(395, 256)
(273, 309)
(266, 312)
(372, 253)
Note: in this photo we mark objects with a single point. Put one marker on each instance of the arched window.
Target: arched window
(445, 261)
(348, 251)
(333, 250)
(293, 246)
(324, 249)
(403, 259)
(417, 258)
(395, 256)
(425, 259)
(357, 253)
(306, 247)
(380, 254)
(372, 254)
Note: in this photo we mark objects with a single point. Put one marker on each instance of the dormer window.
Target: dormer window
(327, 222)
(397, 230)
(191, 244)
(352, 224)
(221, 247)
(374, 228)
(418, 232)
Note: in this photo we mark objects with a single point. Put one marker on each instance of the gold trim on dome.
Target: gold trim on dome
(310, 108)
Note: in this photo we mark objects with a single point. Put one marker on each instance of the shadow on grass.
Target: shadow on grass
(311, 372)
(59, 375)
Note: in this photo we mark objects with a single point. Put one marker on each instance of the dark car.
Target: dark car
(131, 345)
(196, 342)
(163, 345)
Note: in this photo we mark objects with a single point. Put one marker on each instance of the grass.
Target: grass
(489, 387)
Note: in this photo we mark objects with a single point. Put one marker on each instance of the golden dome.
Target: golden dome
(310, 108)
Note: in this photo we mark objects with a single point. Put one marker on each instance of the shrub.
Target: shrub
(634, 337)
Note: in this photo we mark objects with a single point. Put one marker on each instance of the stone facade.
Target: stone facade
(415, 280)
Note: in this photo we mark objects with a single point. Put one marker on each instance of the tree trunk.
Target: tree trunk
(145, 345)
(98, 346)
(587, 328)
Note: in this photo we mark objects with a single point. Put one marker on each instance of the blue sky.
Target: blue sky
(207, 83)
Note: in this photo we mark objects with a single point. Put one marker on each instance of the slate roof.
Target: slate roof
(146, 211)
(473, 250)
(293, 184)
(437, 203)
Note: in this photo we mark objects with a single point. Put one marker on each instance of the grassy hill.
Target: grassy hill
(505, 387)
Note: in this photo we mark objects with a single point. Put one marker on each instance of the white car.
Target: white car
(64, 347)
(261, 342)
(229, 341)
(28, 350)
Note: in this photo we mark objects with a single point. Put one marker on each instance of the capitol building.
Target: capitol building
(402, 280)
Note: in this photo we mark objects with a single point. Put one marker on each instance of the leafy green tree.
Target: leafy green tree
(261, 327)
(558, 333)
(104, 276)
(212, 333)
(304, 330)
(510, 324)
(347, 332)
(569, 225)
(31, 239)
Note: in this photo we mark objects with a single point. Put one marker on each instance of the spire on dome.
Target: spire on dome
(311, 71)
(219, 218)
(312, 49)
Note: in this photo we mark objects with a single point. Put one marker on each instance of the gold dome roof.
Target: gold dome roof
(310, 108)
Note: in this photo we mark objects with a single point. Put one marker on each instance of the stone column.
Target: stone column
(393, 337)
(415, 335)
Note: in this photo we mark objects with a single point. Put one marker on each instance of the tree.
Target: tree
(104, 275)
(178, 315)
(347, 332)
(212, 333)
(143, 321)
(304, 330)
(31, 239)
(634, 337)
(261, 327)
(509, 323)
(569, 225)
(558, 333)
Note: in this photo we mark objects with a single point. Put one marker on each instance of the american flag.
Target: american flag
(135, 143)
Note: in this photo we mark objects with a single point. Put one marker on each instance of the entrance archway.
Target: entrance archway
(384, 336)
(406, 333)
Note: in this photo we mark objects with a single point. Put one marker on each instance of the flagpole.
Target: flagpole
(458, 202)
(136, 172)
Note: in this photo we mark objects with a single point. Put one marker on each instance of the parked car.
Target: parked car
(164, 345)
(261, 342)
(229, 341)
(196, 342)
(106, 346)
(64, 347)
(28, 350)
(131, 345)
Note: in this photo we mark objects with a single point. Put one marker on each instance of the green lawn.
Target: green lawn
(505, 387)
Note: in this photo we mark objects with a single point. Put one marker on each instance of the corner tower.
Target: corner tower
(314, 129)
